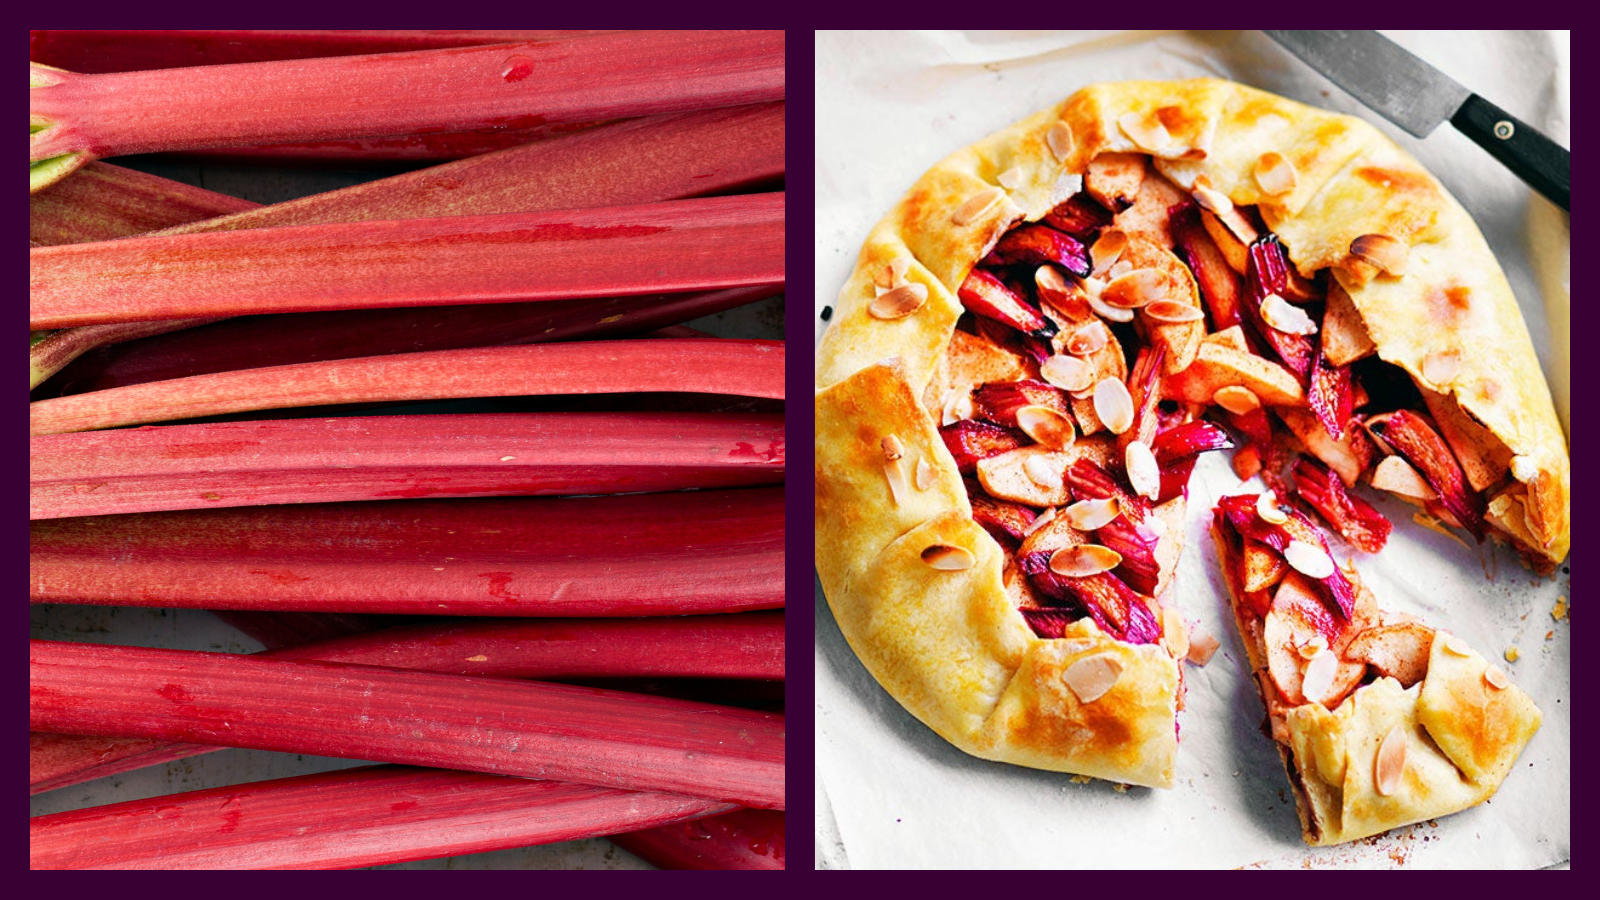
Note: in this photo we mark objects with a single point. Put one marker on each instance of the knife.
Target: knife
(1417, 97)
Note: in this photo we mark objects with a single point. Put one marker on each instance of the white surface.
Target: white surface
(892, 104)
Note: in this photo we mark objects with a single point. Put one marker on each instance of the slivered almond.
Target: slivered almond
(1088, 340)
(1275, 174)
(1053, 287)
(1087, 515)
(1318, 678)
(1147, 134)
(1119, 268)
(1236, 399)
(1059, 137)
(1137, 288)
(894, 274)
(895, 471)
(1382, 251)
(897, 303)
(1039, 471)
(1496, 677)
(1092, 677)
(1456, 646)
(1010, 179)
(1311, 648)
(1396, 476)
(1107, 249)
(1047, 427)
(1285, 316)
(977, 205)
(1084, 560)
(1308, 559)
(948, 559)
(1040, 521)
(1144, 475)
(892, 448)
(1173, 311)
(1113, 404)
(1067, 372)
(1267, 509)
(1213, 200)
(924, 475)
(1201, 648)
(1391, 762)
(1106, 311)
(1174, 633)
(1441, 367)
(1524, 469)
(958, 407)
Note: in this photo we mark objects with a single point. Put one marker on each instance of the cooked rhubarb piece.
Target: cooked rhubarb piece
(1176, 449)
(1038, 245)
(1267, 275)
(1413, 437)
(1115, 607)
(742, 839)
(1218, 283)
(1130, 534)
(1144, 384)
(984, 294)
(1049, 622)
(1005, 521)
(970, 441)
(1330, 396)
(1300, 543)
(366, 816)
(1080, 217)
(1352, 517)
(999, 401)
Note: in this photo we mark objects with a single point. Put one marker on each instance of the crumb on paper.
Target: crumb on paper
(1559, 611)
(1512, 653)
(1201, 648)
(1081, 779)
(1549, 635)
(1120, 788)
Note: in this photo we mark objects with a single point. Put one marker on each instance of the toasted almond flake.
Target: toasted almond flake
(899, 302)
(1311, 648)
(1456, 646)
(1201, 647)
(924, 476)
(1067, 372)
(1059, 137)
(1084, 560)
(1119, 268)
(977, 205)
(1236, 399)
(1174, 633)
(1275, 174)
(948, 559)
(1011, 179)
(1496, 678)
(894, 470)
(1143, 473)
(1213, 200)
(1039, 471)
(1396, 476)
(1237, 225)
(1113, 404)
(1267, 509)
(1088, 340)
(1047, 427)
(894, 274)
(1107, 249)
(892, 448)
(1524, 469)
(1440, 367)
(1512, 654)
(1106, 311)
(1040, 521)
(1087, 515)
(1135, 289)
(1382, 251)
(1147, 134)
(1308, 559)
(958, 407)
(1173, 311)
(1285, 316)
(1318, 678)
(1391, 763)
(1053, 288)
(1092, 677)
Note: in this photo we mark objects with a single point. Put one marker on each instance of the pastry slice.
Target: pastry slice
(1381, 720)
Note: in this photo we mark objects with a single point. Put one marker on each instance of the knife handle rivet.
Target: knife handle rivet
(1504, 130)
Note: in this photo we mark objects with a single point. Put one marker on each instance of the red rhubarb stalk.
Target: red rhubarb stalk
(253, 342)
(749, 645)
(680, 245)
(106, 202)
(632, 555)
(495, 725)
(707, 366)
(366, 816)
(742, 839)
(391, 457)
(579, 79)
(381, 152)
(95, 52)
(642, 161)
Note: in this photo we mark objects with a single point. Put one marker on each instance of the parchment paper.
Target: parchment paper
(891, 793)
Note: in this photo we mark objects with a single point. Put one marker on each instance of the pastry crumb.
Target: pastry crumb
(1559, 611)
(1512, 653)
(1081, 779)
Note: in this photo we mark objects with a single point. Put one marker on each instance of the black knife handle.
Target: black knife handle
(1541, 162)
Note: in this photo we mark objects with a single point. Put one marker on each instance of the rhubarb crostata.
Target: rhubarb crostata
(1042, 336)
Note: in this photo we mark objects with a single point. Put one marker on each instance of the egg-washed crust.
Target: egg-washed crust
(948, 645)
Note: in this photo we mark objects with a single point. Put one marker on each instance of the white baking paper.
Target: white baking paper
(893, 794)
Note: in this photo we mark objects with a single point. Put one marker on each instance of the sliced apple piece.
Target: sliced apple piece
(1181, 339)
(1299, 632)
(1218, 282)
(1261, 566)
(1398, 650)
(1234, 251)
(1080, 216)
(1169, 543)
(1413, 437)
(1348, 457)
(1344, 332)
(1219, 365)
(1147, 217)
(1113, 179)
(1484, 458)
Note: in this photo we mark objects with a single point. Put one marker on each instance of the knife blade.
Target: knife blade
(1417, 97)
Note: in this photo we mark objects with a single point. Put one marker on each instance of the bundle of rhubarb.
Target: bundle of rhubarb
(440, 442)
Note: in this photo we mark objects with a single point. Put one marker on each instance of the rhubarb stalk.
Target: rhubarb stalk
(742, 839)
(366, 816)
(493, 725)
(707, 366)
(749, 645)
(632, 555)
(106, 202)
(580, 79)
(389, 457)
(679, 245)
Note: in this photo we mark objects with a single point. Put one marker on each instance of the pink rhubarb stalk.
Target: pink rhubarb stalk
(631, 555)
(106, 202)
(390, 457)
(366, 816)
(381, 152)
(680, 245)
(705, 366)
(253, 342)
(749, 645)
(742, 839)
(579, 79)
(495, 725)
(642, 161)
